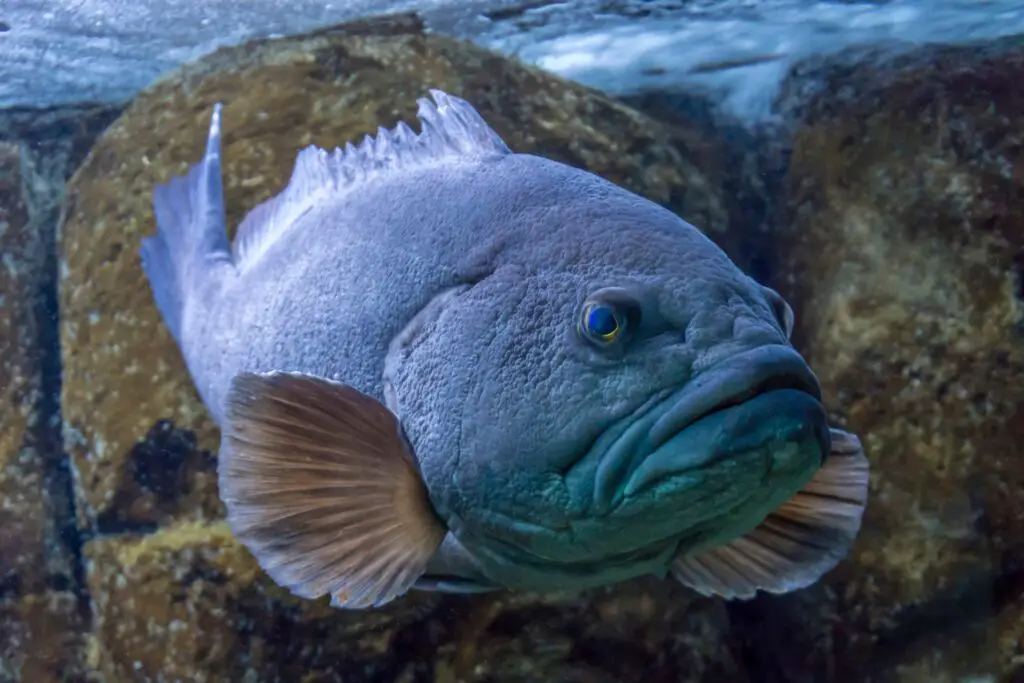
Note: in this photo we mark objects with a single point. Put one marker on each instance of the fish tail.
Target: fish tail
(191, 241)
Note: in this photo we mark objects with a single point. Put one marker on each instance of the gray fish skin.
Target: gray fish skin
(451, 290)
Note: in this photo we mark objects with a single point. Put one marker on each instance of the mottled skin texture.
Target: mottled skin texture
(500, 397)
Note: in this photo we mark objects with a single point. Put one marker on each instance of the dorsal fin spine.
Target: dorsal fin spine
(451, 128)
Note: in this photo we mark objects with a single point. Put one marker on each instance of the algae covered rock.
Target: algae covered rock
(189, 603)
(43, 638)
(122, 371)
(903, 255)
(643, 630)
(33, 558)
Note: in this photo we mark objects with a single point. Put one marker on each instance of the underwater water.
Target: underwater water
(861, 159)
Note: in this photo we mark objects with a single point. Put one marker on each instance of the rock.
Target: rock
(34, 559)
(189, 603)
(903, 257)
(42, 638)
(122, 372)
(41, 631)
(644, 630)
(29, 533)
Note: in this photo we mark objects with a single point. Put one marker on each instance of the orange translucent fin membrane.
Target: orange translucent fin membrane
(798, 543)
(321, 487)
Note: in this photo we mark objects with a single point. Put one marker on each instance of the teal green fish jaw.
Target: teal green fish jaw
(639, 442)
(714, 481)
(720, 476)
(755, 455)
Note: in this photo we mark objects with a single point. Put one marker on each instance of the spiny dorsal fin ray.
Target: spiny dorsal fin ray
(190, 237)
(451, 128)
(796, 544)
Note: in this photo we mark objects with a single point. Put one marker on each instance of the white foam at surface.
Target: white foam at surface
(60, 51)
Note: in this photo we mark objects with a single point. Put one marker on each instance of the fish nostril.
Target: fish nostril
(781, 309)
(685, 333)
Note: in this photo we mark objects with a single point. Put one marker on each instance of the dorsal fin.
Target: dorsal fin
(450, 128)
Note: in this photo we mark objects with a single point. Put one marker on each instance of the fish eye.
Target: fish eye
(607, 316)
(601, 322)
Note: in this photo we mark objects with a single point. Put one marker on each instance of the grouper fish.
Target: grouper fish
(438, 364)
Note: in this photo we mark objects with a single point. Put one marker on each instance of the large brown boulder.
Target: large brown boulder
(172, 592)
(903, 255)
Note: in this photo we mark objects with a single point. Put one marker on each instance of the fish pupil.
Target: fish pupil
(602, 321)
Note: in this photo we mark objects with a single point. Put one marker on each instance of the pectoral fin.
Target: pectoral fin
(795, 545)
(321, 487)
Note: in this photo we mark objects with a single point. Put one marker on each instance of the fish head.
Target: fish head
(615, 394)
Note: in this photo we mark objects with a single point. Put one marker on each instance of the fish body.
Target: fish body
(440, 364)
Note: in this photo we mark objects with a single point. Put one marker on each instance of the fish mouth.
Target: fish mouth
(733, 382)
(736, 406)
